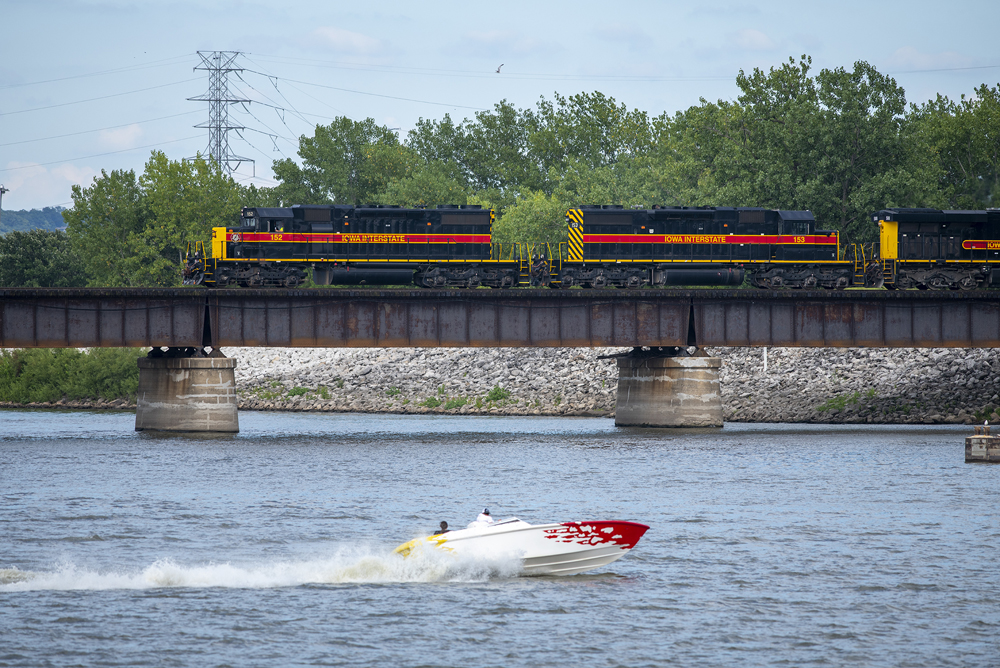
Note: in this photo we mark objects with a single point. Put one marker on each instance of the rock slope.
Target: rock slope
(798, 384)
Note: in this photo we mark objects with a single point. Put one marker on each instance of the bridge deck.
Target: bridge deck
(73, 317)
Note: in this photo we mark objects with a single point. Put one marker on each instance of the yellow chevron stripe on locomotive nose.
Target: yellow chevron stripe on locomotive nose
(574, 219)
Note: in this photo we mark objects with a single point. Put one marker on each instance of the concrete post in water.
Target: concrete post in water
(187, 394)
(668, 392)
(982, 446)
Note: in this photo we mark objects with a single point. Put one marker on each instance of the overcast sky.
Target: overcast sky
(88, 85)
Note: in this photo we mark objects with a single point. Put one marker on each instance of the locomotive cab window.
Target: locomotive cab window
(799, 227)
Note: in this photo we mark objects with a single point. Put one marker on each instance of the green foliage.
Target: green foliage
(965, 136)
(324, 393)
(297, 391)
(534, 218)
(48, 375)
(186, 200)
(426, 185)
(588, 128)
(840, 402)
(392, 392)
(431, 402)
(133, 231)
(346, 162)
(39, 259)
(498, 394)
(838, 144)
(107, 224)
(455, 403)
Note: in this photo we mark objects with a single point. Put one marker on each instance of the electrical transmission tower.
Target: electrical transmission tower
(219, 64)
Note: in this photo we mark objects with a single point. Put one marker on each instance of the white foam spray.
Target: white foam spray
(345, 566)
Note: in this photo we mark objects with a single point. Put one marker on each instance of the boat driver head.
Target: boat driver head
(486, 511)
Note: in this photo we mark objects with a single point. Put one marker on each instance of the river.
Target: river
(769, 544)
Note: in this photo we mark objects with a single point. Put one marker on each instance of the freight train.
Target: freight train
(607, 246)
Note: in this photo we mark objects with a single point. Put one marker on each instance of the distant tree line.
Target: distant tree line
(841, 143)
(49, 218)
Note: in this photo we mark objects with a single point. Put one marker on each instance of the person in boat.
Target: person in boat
(484, 519)
(444, 529)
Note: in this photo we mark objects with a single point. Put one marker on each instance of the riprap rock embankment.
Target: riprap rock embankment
(799, 384)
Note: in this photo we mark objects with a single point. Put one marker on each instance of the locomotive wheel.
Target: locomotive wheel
(874, 276)
(599, 281)
(633, 282)
(810, 282)
(967, 283)
(291, 281)
(938, 283)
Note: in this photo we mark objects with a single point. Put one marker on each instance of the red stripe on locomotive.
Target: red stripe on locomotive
(709, 239)
(365, 238)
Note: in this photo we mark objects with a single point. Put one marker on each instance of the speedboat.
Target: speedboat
(545, 549)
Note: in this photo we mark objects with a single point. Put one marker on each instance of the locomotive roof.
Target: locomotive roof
(723, 212)
(912, 215)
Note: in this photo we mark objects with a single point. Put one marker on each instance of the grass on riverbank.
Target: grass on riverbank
(50, 374)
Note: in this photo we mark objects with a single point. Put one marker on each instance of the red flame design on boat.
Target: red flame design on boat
(623, 534)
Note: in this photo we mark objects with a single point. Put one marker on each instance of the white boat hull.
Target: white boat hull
(545, 549)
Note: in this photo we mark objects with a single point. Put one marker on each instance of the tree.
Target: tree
(588, 128)
(133, 232)
(346, 162)
(965, 136)
(491, 151)
(535, 218)
(186, 199)
(40, 259)
(837, 145)
(685, 148)
(107, 225)
(428, 185)
(629, 182)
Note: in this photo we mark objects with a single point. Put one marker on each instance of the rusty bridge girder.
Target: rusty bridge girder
(73, 317)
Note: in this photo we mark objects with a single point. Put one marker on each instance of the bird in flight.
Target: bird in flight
(498, 69)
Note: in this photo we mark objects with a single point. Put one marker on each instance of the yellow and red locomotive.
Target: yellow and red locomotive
(610, 245)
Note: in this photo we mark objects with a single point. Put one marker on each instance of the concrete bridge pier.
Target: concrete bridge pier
(184, 391)
(668, 391)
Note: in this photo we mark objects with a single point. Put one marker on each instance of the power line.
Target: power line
(361, 92)
(491, 74)
(110, 127)
(552, 76)
(130, 68)
(92, 99)
(98, 155)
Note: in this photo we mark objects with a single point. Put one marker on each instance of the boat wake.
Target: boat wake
(344, 567)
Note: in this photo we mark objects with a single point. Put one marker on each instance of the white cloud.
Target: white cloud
(910, 58)
(752, 40)
(121, 138)
(345, 41)
(33, 186)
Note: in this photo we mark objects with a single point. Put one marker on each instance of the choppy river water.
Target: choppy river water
(770, 545)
